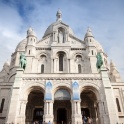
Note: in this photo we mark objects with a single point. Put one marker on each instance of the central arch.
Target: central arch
(62, 106)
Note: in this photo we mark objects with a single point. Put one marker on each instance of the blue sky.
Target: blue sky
(104, 17)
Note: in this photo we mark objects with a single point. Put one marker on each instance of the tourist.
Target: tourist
(84, 120)
(89, 120)
(49, 122)
(43, 122)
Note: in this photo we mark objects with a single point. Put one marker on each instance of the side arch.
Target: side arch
(26, 89)
(93, 87)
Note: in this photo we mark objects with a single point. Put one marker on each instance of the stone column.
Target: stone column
(68, 65)
(96, 113)
(48, 111)
(76, 112)
(53, 66)
(56, 36)
(110, 110)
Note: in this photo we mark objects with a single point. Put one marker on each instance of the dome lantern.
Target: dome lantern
(89, 33)
(30, 32)
(59, 15)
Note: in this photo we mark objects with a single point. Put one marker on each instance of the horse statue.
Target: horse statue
(99, 61)
(23, 61)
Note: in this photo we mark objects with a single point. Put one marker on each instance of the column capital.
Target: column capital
(75, 100)
(24, 101)
(49, 101)
(98, 101)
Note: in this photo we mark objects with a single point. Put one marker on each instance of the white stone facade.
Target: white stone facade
(61, 59)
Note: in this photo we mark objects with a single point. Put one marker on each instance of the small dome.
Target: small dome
(30, 32)
(21, 46)
(112, 64)
(7, 63)
(49, 30)
(89, 33)
(59, 11)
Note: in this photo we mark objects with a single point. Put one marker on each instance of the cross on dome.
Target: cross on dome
(89, 29)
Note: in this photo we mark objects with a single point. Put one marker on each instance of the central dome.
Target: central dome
(49, 30)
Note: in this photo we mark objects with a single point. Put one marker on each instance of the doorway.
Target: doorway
(89, 107)
(85, 112)
(61, 116)
(62, 107)
(34, 107)
(38, 115)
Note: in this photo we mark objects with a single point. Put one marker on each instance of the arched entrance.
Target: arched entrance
(35, 107)
(62, 106)
(89, 106)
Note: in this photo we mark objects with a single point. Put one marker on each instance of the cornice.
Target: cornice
(38, 48)
(61, 78)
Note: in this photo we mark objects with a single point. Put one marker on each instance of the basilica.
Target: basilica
(56, 79)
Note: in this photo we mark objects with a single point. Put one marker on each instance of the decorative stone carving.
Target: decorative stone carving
(75, 87)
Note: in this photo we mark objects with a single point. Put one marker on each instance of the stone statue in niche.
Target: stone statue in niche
(78, 59)
(43, 58)
(60, 36)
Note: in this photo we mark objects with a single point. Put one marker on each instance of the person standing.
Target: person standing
(90, 120)
(49, 122)
(84, 120)
(43, 122)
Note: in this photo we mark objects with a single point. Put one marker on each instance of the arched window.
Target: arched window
(118, 105)
(61, 62)
(79, 68)
(29, 52)
(42, 68)
(2, 105)
(92, 52)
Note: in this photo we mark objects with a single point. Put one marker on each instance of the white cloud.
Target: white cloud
(10, 23)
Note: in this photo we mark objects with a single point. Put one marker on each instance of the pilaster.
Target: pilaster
(110, 111)
(76, 112)
(13, 105)
(48, 111)
(21, 112)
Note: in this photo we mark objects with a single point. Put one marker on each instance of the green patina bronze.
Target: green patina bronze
(23, 61)
(99, 61)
